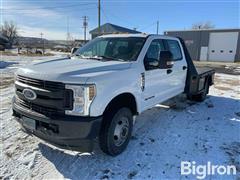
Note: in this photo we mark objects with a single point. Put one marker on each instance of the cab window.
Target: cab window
(152, 55)
(174, 48)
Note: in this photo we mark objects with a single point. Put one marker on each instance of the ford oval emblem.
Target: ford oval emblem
(29, 94)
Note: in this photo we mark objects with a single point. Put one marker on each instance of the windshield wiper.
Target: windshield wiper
(93, 57)
(101, 58)
(110, 58)
(88, 57)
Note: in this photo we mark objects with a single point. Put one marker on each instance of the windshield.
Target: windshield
(117, 48)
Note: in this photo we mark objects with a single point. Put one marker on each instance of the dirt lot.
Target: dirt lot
(221, 67)
(163, 137)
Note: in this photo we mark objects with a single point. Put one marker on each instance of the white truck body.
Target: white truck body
(113, 78)
(70, 102)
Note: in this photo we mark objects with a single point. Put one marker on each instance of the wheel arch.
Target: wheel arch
(123, 100)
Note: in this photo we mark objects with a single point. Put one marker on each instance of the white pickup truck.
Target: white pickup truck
(95, 95)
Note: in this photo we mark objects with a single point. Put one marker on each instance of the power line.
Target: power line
(31, 12)
(126, 20)
(52, 7)
(122, 19)
(68, 32)
(148, 26)
(104, 14)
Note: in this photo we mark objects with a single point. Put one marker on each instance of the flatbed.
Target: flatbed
(198, 79)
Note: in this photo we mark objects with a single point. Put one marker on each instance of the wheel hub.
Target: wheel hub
(121, 131)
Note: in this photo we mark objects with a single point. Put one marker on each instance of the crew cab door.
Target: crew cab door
(178, 73)
(162, 84)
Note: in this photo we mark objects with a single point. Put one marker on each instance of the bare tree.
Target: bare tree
(71, 43)
(10, 31)
(203, 25)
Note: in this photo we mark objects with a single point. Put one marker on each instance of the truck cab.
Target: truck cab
(93, 96)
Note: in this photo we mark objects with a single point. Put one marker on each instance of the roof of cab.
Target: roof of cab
(135, 35)
(125, 35)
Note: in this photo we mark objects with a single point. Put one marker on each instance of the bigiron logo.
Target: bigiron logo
(202, 171)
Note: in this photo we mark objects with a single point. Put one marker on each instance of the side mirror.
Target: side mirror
(150, 63)
(154, 63)
(165, 60)
(73, 50)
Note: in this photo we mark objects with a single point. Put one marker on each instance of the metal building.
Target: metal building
(211, 45)
(109, 28)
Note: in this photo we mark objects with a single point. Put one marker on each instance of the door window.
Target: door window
(152, 55)
(175, 49)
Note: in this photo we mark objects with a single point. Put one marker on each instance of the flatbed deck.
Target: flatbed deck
(204, 71)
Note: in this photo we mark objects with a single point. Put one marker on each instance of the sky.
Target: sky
(53, 18)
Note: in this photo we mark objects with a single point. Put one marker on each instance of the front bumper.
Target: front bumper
(68, 132)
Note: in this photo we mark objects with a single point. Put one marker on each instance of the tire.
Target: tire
(116, 131)
(202, 96)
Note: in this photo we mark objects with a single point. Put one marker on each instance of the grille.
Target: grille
(40, 83)
(52, 102)
(39, 109)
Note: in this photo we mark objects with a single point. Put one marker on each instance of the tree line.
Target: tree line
(10, 30)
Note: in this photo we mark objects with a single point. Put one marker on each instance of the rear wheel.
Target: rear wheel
(116, 131)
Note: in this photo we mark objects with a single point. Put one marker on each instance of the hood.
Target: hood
(71, 70)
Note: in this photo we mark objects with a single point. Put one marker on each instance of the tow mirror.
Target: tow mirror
(165, 60)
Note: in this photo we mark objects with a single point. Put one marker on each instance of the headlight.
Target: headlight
(83, 96)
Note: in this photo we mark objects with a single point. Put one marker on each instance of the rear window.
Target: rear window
(175, 49)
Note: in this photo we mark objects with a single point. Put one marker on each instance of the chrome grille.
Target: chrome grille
(40, 83)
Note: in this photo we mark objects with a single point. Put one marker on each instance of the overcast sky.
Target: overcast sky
(51, 16)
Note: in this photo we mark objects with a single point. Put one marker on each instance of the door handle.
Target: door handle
(184, 67)
(169, 71)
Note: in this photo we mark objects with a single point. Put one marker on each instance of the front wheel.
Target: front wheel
(116, 131)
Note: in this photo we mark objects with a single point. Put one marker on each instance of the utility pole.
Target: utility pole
(42, 42)
(68, 33)
(99, 17)
(85, 24)
(157, 26)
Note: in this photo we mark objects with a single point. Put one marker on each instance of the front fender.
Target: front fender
(108, 91)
